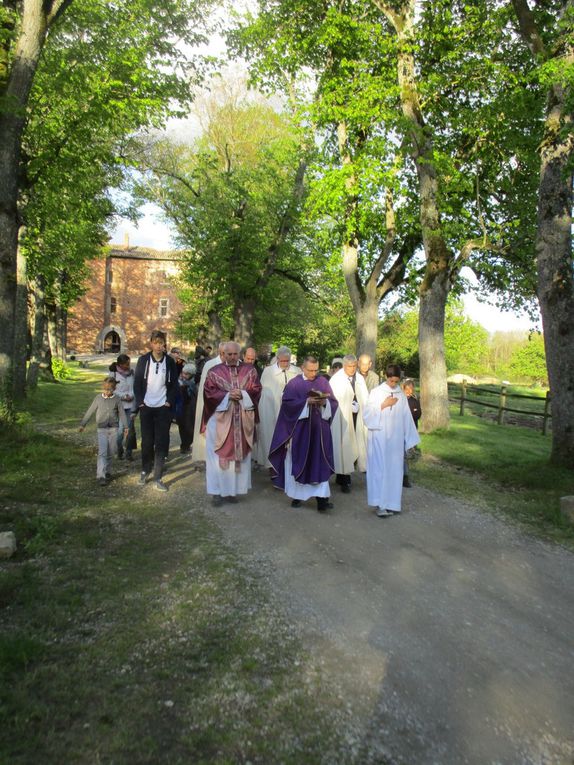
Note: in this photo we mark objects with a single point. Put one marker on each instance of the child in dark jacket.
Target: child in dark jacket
(109, 413)
(415, 407)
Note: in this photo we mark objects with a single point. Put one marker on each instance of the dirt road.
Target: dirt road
(455, 630)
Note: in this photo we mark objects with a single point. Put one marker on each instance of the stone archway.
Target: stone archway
(106, 338)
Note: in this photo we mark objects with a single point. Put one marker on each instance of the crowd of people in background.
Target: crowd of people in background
(299, 424)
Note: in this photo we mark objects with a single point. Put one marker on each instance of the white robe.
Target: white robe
(391, 432)
(349, 438)
(273, 384)
(303, 491)
(225, 483)
(198, 448)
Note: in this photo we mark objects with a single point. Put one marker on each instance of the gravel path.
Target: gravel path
(454, 629)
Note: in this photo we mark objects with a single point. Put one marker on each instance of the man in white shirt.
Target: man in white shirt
(155, 389)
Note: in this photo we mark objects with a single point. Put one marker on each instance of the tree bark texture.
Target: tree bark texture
(244, 320)
(35, 19)
(434, 389)
(556, 283)
(554, 229)
(436, 282)
(39, 351)
(20, 327)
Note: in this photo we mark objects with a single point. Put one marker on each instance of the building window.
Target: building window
(113, 305)
(163, 307)
(110, 275)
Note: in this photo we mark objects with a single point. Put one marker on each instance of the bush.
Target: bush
(60, 370)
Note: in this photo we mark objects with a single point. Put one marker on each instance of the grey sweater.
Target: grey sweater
(108, 411)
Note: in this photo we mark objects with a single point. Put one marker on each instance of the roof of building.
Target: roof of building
(143, 253)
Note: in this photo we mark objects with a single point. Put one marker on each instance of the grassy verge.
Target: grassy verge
(131, 633)
(503, 468)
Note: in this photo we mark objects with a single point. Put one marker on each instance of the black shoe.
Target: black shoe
(143, 478)
(102, 482)
(296, 502)
(216, 500)
(231, 499)
(406, 483)
(346, 488)
(323, 504)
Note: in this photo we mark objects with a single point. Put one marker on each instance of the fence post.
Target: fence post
(502, 405)
(546, 414)
(462, 396)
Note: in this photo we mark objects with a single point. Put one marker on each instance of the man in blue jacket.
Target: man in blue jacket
(155, 389)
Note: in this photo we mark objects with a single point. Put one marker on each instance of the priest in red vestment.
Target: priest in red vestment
(230, 395)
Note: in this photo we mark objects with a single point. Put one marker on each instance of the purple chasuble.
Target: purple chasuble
(311, 442)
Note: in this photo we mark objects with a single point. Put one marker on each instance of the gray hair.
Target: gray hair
(350, 358)
(283, 351)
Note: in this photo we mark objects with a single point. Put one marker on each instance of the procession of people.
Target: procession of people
(300, 425)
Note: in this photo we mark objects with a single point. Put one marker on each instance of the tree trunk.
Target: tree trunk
(554, 224)
(35, 19)
(20, 327)
(434, 387)
(39, 357)
(214, 330)
(556, 286)
(436, 281)
(52, 327)
(244, 320)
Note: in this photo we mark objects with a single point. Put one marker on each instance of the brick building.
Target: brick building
(131, 293)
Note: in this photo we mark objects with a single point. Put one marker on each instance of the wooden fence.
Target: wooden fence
(467, 393)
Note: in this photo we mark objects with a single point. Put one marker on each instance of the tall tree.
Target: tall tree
(26, 25)
(68, 101)
(548, 32)
(234, 199)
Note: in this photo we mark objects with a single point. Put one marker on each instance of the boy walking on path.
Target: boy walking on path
(109, 412)
(155, 388)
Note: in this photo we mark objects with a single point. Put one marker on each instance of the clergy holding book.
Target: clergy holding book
(301, 453)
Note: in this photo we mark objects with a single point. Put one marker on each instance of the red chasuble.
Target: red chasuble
(235, 427)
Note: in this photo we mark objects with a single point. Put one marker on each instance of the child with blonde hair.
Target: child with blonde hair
(109, 412)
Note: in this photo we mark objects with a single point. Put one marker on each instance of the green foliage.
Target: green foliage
(108, 70)
(61, 370)
(528, 362)
(466, 342)
(234, 198)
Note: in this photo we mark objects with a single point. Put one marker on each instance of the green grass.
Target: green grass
(504, 468)
(131, 632)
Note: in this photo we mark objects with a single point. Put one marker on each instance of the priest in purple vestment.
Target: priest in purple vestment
(301, 452)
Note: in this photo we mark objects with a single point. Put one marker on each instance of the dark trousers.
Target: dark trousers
(155, 423)
(343, 479)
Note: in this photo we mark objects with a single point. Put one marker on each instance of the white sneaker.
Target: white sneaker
(382, 513)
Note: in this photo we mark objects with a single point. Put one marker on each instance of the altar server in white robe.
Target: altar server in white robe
(348, 429)
(273, 381)
(198, 448)
(391, 432)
